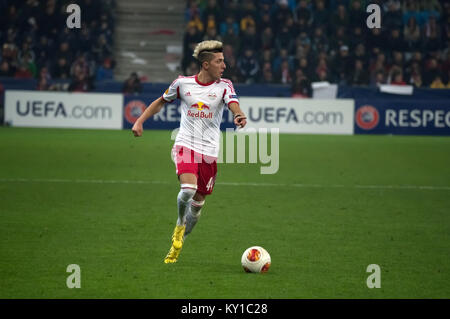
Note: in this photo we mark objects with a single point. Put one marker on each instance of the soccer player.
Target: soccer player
(196, 148)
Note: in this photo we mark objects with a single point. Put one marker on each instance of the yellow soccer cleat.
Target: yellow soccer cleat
(177, 244)
(172, 256)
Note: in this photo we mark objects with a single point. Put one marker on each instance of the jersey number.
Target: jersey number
(210, 184)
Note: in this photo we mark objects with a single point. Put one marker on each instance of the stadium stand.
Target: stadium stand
(34, 45)
(298, 42)
(278, 43)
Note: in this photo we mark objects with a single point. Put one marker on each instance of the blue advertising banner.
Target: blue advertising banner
(167, 119)
(403, 117)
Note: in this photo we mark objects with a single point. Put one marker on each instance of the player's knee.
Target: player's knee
(187, 192)
(199, 197)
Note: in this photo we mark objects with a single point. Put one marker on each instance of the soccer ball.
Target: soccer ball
(255, 259)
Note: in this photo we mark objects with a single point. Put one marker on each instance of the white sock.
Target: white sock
(184, 200)
(193, 215)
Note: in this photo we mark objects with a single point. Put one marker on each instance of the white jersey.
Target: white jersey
(201, 111)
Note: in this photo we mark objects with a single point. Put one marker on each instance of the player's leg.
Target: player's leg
(188, 188)
(194, 212)
(188, 182)
(187, 174)
(207, 172)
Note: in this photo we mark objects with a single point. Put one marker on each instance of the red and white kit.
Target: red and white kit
(202, 106)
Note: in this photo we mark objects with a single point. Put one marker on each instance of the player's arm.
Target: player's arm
(239, 116)
(151, 110)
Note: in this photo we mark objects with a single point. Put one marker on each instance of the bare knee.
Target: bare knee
(199, 197)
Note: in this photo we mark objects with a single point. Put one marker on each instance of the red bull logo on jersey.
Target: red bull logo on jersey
(200, 107)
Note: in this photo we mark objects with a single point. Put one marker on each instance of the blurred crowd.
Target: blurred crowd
(297, 42)
(36, 42)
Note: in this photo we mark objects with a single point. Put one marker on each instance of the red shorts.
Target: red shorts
(202, 166)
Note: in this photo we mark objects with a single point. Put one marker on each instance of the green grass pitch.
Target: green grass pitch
(107, 201)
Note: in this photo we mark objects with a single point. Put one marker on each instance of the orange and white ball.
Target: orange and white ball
(256, 259)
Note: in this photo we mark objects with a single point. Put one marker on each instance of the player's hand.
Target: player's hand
(137, 129)
(240, 120)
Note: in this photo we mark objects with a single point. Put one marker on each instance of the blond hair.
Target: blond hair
(204, 50)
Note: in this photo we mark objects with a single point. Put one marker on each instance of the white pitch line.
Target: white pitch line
(101, 181)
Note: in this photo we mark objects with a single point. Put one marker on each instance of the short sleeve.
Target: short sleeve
(172, 93)
(230, 94)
